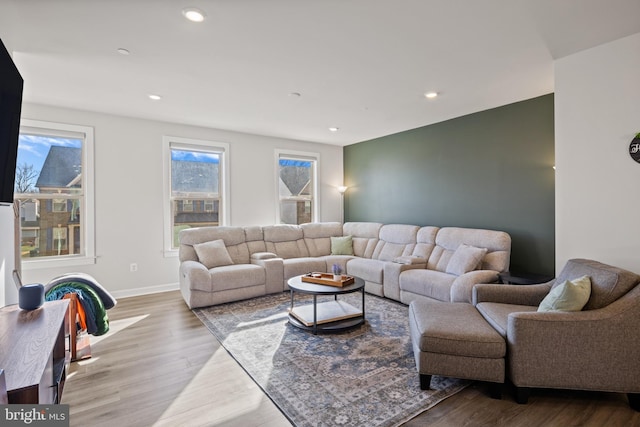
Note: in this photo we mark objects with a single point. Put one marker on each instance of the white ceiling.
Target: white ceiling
(360, 65)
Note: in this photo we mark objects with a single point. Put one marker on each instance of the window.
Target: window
(195, 186)
(297, 190)
(60, 239)
(54, 192)
(59, 205)
(187, 205)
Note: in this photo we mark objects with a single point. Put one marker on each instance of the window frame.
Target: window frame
(221, 148)
(303, 156)
(87, 226)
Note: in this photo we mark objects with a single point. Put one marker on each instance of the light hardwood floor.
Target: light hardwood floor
(159, 366)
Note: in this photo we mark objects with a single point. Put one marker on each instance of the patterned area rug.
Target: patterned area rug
(362, 377)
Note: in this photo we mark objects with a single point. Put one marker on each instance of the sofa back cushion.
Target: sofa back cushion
(317, 236)
(233, 238)
(364, 236)
(286, 241)
(255, 239)
(395, 240)
(497, 243)
(425, 242)
(608, 283)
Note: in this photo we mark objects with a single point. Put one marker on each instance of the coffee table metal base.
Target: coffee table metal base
(329, 315)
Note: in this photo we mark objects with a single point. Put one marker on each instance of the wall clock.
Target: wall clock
(634, 148)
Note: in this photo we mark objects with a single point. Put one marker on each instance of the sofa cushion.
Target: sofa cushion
(254, 239)
(466, 258)
(232, 277)
(370, 270)
(425, 242)
(342, 245)
(439, 259)
(317, 236)
(286, 241)
(233, 237)
(453, 329)
(365, 237)
(213, 254)
(570, 295)
(298, 266)
(396, 240)
(608, 283)
(498, 244)
(282, 233)
(428, 283)
(497, 314)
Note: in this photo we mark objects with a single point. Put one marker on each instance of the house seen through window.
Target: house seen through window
(195, 188)
(296, 189)
(50, 191)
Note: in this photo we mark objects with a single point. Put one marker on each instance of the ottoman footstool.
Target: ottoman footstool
(454, 340)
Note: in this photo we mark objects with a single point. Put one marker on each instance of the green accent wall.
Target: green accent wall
(492, 169)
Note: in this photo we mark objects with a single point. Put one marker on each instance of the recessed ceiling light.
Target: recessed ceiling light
(123, 51)
(193, 14)
(334, 129)
(155, 97)
(431, 95)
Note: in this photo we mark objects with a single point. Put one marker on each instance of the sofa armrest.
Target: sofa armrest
(410, 260)
(262, 255)
(274, 271)
(576, 350)
(510, 294)
(194, 275)
(391, 277)
(462, 286)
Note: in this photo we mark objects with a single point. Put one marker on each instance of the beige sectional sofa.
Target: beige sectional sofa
(439, 279)
(223, 264)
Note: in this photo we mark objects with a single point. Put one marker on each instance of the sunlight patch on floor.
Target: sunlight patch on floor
(272, 318)
(85, 362)
(220, 406)
(116, 326)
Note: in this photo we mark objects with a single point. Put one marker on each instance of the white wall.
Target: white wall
(597, 114)
(129, 192)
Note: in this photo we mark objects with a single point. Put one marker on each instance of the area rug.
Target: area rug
(363, 377)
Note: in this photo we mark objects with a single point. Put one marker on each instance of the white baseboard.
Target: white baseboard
(146, 290)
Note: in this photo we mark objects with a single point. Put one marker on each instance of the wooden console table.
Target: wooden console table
(35, 352)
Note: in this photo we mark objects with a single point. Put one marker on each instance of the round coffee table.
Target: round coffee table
(327, 316)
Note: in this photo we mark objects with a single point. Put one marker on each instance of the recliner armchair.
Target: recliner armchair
(596, 349)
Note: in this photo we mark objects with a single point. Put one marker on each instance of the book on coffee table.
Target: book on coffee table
(326, 312)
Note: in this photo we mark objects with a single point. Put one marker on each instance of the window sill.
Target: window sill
(170, 253)
(39, 264)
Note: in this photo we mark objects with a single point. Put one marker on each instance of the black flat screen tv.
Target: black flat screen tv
(11, 84)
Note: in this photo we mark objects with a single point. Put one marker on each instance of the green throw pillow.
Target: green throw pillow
(570, 295)
(342, 245)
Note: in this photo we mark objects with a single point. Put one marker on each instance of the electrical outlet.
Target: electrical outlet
(133, 267)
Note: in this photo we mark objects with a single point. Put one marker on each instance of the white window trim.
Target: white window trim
(302, 155)
(88, 225)
(187, 143)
